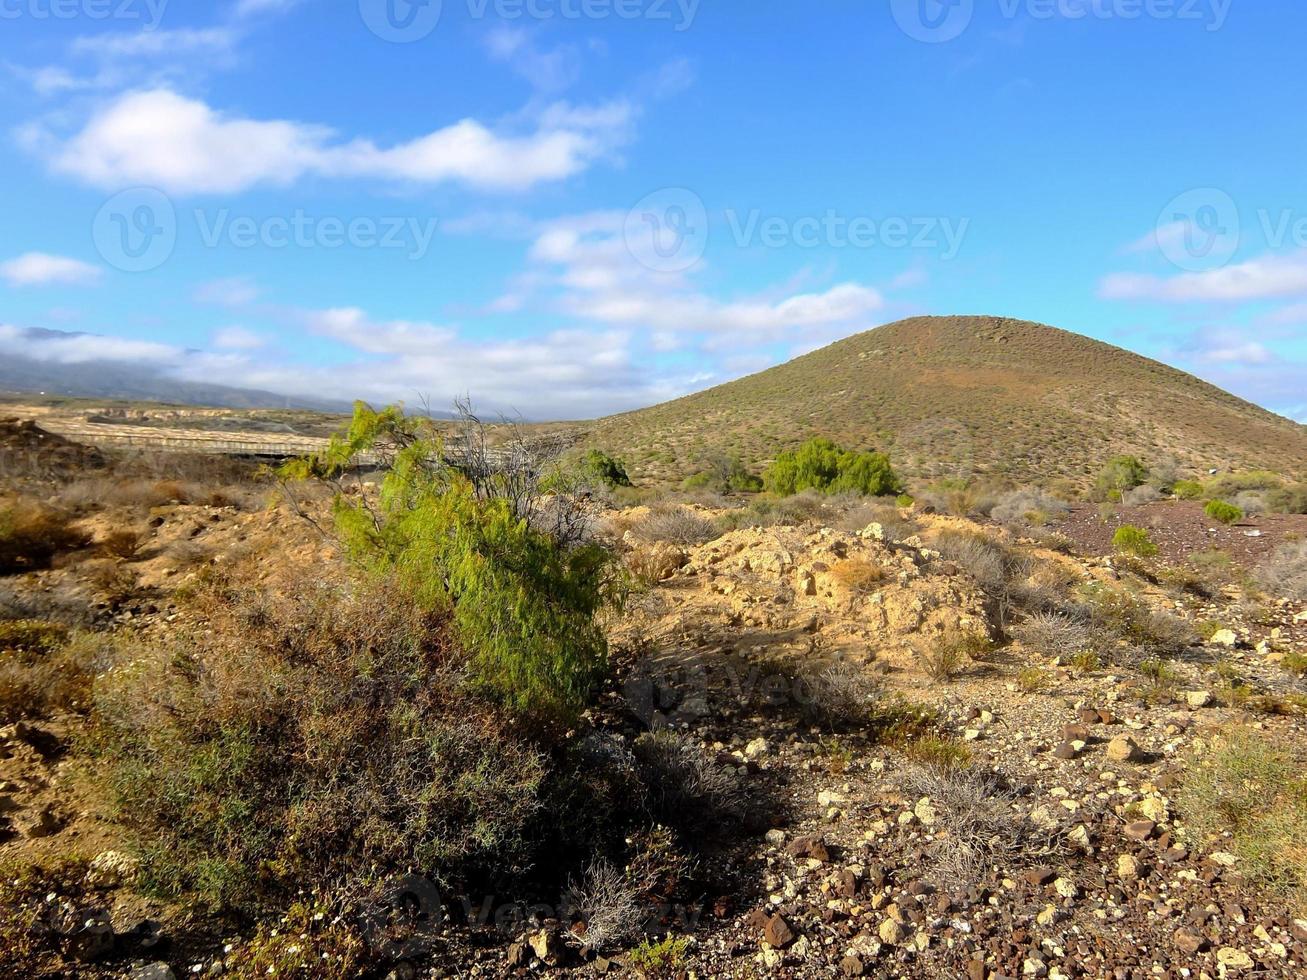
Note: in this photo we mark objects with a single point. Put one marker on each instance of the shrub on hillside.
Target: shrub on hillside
(605, 469)
(724, 474)
(676, 525)
(1141, 495)
(316, 733)
(821, 465)
(1122, 473)
(1131, 540)
(32, 533)
(1219, 510)
(514, 572)
(1284, 573)
(1027, 506)
(1188, 490)
(1290, 499)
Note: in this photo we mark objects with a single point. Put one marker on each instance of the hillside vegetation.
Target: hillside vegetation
(962, 396)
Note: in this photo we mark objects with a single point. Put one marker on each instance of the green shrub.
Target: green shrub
(607, 470)
(1131, 540)
(905, 500)
(521, 588)
(1255, 792)
(821, 465)
(315, 735)
(1188, 489)
(1122, 473)
(1219, 510)
(724, 474)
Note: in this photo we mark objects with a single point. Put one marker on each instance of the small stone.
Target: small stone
(1188, 941)
(1198, 699)
(1234, 959)
(109, 869)
(1066, 750)
(1225, 638)
(775, 837)
(890, 932)
(1140, 830)
(778, 934)
(851, 966)
(1123, 749)
(976, 970)
(1088, 716)
(152, 971)
(1127, 868)
(808, 847)
(757, 749)
(1065, 888)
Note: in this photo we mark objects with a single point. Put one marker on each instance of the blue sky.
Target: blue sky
(571, 207)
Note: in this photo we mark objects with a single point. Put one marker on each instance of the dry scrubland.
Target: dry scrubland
(292, 725)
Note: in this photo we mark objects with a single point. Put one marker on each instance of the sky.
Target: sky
(568, 208)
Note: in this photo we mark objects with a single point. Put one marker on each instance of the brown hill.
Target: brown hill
(960, 396)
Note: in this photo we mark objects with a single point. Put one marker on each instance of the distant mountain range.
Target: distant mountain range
(126, 381)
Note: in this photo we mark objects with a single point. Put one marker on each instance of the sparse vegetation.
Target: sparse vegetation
(1285, 572)
(675, 524)
(1122, 473)
(32, 533)
(821, 465)
(1256, 793)
(857, 575)
(1219, 510)
(1131, 540)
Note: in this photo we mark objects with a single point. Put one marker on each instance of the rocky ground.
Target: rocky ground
(1060, 853)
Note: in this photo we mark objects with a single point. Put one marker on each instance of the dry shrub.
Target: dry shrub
(650, 564)
(676, 525)
(33, 533)
(113, 583)
(977, 828)
(1054, 634)
(944, 657)
(688, 789)
(1028, 506)
(315, 732)
(608, 903)
(1132, 620)
(840, 697)
(858, 514)
(43, 671)
(124, 543)
(1284, 573)
(858, 575)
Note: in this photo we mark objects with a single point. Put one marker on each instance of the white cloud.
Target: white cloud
(253, 8)
(1267, 277)
(547, 71)
(237, 337)
(207, 41)
(236, 291)
(1250, 352)
(601, 280)
(184, 146)
(41, 269)
(81, 348)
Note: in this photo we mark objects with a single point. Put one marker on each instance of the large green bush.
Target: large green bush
(481, 547)
(605, 469)
(1122, 473)
(821, 465)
